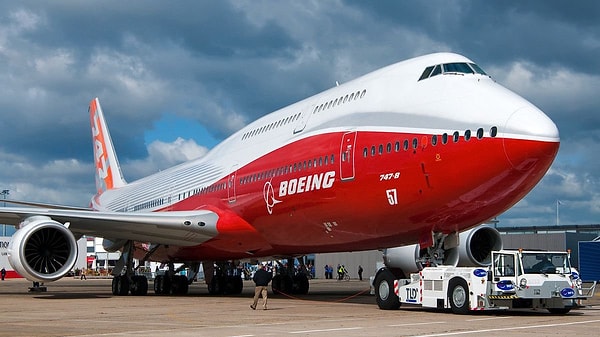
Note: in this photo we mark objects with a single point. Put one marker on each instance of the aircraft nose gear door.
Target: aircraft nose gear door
(347, 155)
(303, 118)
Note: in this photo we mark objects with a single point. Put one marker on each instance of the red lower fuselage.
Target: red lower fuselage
(382, 195)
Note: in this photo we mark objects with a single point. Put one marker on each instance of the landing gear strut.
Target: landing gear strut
(289, 280)
(122, 284)
(171, 283)
(223, 278)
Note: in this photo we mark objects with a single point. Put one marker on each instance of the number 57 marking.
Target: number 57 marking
(392, 196)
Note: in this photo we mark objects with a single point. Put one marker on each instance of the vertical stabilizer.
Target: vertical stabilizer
(108, 171)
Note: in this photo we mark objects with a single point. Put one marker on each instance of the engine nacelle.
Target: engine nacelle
(476, 246)
(42, 249)
(473, 248)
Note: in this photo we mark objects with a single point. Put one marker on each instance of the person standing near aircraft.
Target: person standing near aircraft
(261, 278)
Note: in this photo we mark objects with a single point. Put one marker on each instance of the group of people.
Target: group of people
(341, 271)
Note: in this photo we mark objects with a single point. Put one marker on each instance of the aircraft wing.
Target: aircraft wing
(43, 205)
(182, 228)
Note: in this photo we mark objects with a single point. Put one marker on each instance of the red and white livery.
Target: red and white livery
(428, 145)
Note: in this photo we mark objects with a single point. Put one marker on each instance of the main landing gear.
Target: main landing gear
(122, 284)
(171, 283)
(223, 278)
(125, 280)
(288, 280)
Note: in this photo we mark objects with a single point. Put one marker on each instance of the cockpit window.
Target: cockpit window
(477, 69)
(452, 68)
(457, 68)
(426, 73)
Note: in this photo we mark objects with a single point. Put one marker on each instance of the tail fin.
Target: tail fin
(108, 170)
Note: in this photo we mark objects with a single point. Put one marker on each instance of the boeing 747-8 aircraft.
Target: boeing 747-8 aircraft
(412, 153)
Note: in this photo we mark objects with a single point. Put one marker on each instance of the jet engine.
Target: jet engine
(470, 248)
(42, 249)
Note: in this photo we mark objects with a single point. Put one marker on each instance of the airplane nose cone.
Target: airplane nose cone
(530, 137)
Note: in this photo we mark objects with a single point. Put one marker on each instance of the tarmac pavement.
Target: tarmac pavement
(73, 307)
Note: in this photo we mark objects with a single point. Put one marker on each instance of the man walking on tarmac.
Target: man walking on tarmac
(261, 278)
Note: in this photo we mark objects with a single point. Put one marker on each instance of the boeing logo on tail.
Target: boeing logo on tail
(102, 168)
(104, 157)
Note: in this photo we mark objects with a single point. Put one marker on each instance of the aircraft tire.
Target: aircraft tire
(276, 284)
(114, 288)
(458, 294)
(282, 284)
(140, 285)
(300, 284)
(234, 285)
(384, 290)
(215, 287)
(162, 285)
(179, 285)
(120, 285)
(157, 285)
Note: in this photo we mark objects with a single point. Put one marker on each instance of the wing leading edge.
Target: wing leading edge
(181, 228)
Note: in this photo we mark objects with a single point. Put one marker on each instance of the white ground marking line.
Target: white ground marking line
(325, 330)
(508, 328)
(413, 324)
(486, 319)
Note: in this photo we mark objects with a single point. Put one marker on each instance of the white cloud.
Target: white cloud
(22, 20)
(570, 184)
(555, 87)
(179, 151)
(56, 64)
(126, 74)
(67, 181)
(162, 155)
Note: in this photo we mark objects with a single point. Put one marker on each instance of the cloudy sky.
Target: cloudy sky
(175, 78)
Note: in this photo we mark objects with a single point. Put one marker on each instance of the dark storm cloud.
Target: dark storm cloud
(214, 36)
(543, 32)
(226, 63)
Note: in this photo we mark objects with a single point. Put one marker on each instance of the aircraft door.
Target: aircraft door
(231, 194)
(304, 117)
(347, 155)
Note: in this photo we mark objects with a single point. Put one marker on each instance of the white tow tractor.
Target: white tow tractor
(514, 279)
